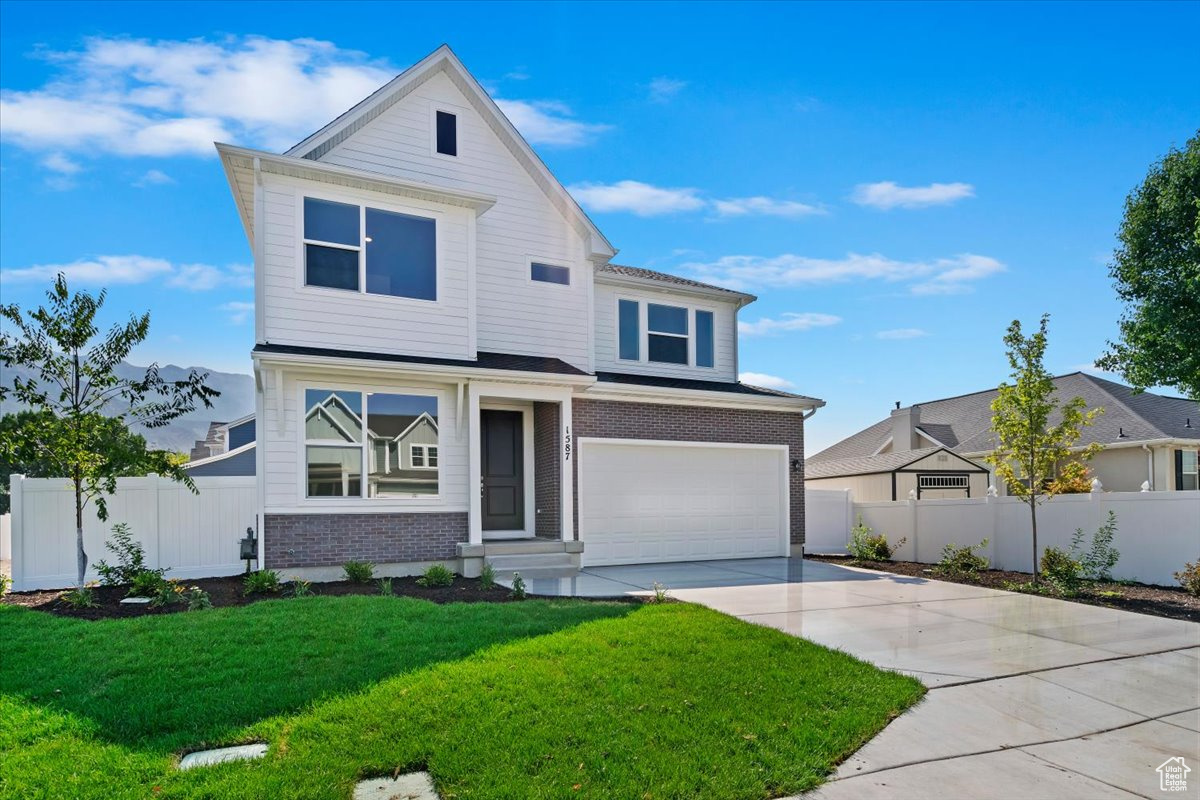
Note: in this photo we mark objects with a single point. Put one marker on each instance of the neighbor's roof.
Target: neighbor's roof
(963, 424)
(639, 274)
(867, 465)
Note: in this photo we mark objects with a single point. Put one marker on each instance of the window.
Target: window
(704, 338)
(400, 255)
(942, 481)
(331, 244)
(667, 326)
(342, 444)
(1187, 469)
(630, 331)
(447, 133)
(549, 273)
(424, 456)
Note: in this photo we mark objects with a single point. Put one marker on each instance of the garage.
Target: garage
(652, 501)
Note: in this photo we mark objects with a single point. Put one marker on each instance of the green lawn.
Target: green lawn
(533, 699)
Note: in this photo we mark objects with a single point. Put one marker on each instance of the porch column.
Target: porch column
(474, 469)
(566, 474)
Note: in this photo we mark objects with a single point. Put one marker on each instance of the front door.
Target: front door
(503, 470)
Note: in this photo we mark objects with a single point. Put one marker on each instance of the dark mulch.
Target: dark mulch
(1159, 601)
(229, 592)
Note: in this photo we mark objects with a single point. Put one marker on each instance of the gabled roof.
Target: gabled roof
(964, 423)
(444, 60)
(637, 275)
(867, 465)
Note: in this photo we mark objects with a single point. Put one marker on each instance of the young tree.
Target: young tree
(1156, 270)
(75, 380)
(1035, 433)
(125, 450)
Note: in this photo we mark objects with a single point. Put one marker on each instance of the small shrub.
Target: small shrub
(5, 583)
(196, 598)
(1064, 572)
(385, 587)
(867, 547)
(131, 559)
(661, 593)
(359, 571)
(518, 588)
(80, 598)
(264, 581)
(1189, 577)
(165, 594)
(147, 583)
(1098, 562)
(1027, 588)
(1110, 594)
(299, 587)
(436, 575)
(961, 562)
(487, 577)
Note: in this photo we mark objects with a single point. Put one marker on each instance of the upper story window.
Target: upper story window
(358, 248)
(446, 126)
(395, 444)
(667, 334)
(549, 273)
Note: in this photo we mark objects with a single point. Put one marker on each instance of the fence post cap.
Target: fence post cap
(1097, 485)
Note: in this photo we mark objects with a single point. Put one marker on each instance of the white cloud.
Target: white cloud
(901, 333)
(647, 200)
(887, 194)
(662, 90)
(790, 321)
(764, 206)
(57, 162)
(153, 177)
(238, 311)
(940, 276)
(639, 198)
(766, 381)
(549, 122)
(130, 269)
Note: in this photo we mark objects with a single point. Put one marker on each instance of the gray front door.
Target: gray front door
(503, 470)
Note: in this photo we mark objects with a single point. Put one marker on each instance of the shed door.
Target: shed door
(643, 502)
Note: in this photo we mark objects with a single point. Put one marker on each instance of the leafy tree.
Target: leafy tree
(1157, 275)
(75, 384)
(1032, 447)
(126, 451)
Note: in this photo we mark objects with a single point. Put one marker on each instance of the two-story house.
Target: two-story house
(449, 368)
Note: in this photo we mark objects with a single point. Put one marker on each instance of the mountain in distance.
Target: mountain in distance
(236, 400)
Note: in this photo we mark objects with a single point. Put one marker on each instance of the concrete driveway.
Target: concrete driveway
(1029, 697)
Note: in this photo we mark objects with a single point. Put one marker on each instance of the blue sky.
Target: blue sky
(896, 182)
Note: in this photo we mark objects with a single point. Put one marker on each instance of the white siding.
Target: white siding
(295, 314)
(514, 315)
(282, 444)
(724, 334)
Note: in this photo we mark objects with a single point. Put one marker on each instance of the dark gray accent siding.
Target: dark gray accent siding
(240, 435)
(237, 464)
(547, 469)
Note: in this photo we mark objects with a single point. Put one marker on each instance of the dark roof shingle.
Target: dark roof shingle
(663, 277)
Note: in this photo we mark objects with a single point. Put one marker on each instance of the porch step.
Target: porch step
(512, 547)
(526, 563)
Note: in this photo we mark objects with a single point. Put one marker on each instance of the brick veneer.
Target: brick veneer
(547, 490)
(323, 540)
(618, 420)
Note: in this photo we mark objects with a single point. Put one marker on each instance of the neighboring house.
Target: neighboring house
(1151, 443)
(228, 450)
(446, 361)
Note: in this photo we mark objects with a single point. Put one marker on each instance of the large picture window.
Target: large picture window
(392, 439)
(667, 342)
(358, 248)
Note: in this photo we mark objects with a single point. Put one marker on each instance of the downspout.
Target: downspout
(1149, 466)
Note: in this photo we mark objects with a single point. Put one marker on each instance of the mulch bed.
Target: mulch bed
(1159, 601)
(230, 592)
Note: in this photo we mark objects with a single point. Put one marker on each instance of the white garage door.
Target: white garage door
(643, 502)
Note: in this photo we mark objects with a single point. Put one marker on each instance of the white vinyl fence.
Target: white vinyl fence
(191, 535)
(1156, 531)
